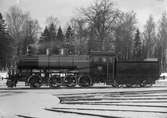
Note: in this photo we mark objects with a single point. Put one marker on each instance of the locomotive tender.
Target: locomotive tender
(82, 70)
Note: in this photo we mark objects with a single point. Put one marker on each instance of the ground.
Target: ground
(97, 102)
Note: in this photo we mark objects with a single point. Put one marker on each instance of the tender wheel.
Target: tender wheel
(35, 81)
(84, 81)
(143, 84)
(70, 81)
(55, 81)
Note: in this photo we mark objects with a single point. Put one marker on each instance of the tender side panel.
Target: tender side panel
(136, 72)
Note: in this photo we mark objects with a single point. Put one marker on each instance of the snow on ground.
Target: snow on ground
(3, 74)
(161, 82)
(102, 102)
(14, 104)
(99, 101)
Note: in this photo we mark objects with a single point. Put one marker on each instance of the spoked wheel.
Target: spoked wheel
(84, 81)
(143, 84)
(70, 81)
(55, 81)
(35, 81)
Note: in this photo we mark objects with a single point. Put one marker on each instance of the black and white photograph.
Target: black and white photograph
(83, 59)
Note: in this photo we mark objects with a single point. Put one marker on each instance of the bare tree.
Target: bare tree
(124, 35)
(149, 38)
(21, 28)
(101, 17)
(16, 19)
(80, 35)
(162, 34)
(52, 21)
(31, 32)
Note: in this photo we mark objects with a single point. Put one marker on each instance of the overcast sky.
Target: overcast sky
(65, 9)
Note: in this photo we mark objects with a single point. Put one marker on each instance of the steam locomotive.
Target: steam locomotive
(82, 70)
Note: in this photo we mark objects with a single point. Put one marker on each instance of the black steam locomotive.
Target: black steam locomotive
(82, 70)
